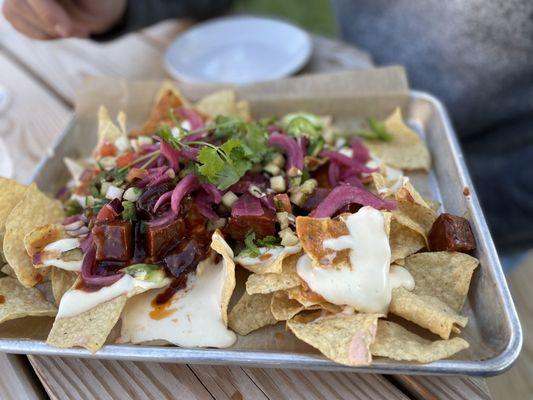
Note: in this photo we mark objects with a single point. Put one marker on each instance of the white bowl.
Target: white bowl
(238, 50)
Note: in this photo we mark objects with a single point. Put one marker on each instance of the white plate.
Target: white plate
(238, 50)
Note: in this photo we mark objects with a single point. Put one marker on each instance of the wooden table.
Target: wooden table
(43, 78)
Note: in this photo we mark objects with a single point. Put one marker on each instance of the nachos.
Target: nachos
(335, 241)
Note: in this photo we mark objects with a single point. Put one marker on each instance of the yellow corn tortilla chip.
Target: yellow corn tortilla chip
(89, 329)
(223, 102)
(413, 211)
(221, 247)
(397, 343)
(170, 86)
(284, 308)
(272, 265)
(11, 192)
(168, 99)
(38, 238)
(345, 339)
(250, 313)
(404, 241)
(33, 210)
(17, 301)
(313, 231)
(62, 281)
(107, 130)
(406, 150)
(305, 296)
(6, 269)
(426, 311)
(272, 282)
(445, 275)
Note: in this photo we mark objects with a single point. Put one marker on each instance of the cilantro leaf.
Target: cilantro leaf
(73, 207)
(250, 248)
(256, 140)
(224, 165)
(269, 241)
(211, 163)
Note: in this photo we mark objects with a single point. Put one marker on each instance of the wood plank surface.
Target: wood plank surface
(18, 380)
(517, 383)
(443, 387)
(60, 67)
(313, 385)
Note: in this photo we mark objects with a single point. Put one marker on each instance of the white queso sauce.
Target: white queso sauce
(367, 282)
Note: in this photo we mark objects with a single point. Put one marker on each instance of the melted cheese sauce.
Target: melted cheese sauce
(268, 255)
(77, 301)
(192, 317)
(366, 284)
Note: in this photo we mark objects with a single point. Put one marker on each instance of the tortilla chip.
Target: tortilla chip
(413, 211)
(11, 192)
(169, 98)
(404, 241)
(38, 238)
(313, 231)
(107, 130)
(33, 210)
(305, 296)
(89, 329)
(272, 282)
(284, 308)
(243, 110)
(221, 247)
(445, 275)
(7, 270)
(223, 102)
(18, 301)
(406, 150)
(62, 281)
(397, 343)
(271, 265)
(426, 311)
(342, 338)
(250, 313)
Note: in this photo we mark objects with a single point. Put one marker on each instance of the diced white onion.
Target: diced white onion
(229, 198)
(277, 183)
(122, 143)
(132, 194)
(113, 192)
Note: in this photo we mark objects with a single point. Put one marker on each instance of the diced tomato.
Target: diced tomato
(106, 214)
(125, 158)
(107, 149)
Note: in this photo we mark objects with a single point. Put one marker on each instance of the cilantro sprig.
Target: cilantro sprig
(252, 246)
(224, 165)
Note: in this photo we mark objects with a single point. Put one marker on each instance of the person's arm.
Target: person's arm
(100, 19)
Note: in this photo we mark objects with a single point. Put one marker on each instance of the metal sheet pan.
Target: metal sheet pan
(493, 331)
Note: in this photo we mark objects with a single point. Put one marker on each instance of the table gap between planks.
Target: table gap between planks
(43, 78)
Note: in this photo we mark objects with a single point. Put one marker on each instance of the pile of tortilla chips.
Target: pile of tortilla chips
(442, 279)
(274, 293)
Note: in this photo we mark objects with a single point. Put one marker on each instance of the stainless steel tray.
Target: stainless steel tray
(493, 331)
